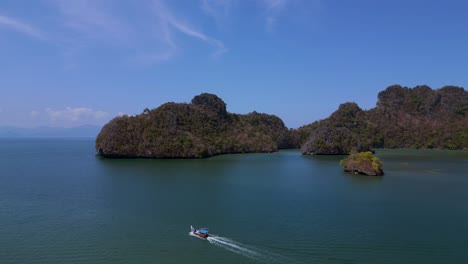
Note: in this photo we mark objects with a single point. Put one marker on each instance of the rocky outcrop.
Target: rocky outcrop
(363, 163)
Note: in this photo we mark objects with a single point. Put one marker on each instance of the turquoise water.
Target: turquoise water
(59, 203)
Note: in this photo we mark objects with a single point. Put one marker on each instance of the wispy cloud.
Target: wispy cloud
(93, 19)
(34, 113)
(272, 10)
(217, 9)
(299, 12)
(21, 27)
(169, 22)
(148, 39)
(147, 32)
(275, 4)
(198, 35)
(164, 47)
(71, 114)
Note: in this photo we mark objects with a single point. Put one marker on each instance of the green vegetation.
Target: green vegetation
(362, 163)
(200, 129)
(332, 141)
(339, 134)
(403, 118)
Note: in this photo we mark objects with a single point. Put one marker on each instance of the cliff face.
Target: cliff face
(403, 118)
(421, 117)
(339, 134)
(332, 141)
(199, 129)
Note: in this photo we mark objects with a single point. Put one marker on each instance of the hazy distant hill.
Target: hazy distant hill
(418, 117)
(86, 131)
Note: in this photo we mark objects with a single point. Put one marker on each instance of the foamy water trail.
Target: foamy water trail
(235, 247)
(259, 255)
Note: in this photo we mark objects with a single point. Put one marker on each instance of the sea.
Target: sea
(61, 203)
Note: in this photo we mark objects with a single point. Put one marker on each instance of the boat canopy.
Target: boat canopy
(203, 231)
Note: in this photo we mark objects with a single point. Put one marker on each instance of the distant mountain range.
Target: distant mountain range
(86, 131)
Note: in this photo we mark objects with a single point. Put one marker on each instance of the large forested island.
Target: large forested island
(403, 118)
(198, 129)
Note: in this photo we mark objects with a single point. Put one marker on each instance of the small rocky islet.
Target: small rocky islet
(418, 117)
(362, 163)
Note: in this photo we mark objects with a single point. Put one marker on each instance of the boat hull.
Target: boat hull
(201, 235)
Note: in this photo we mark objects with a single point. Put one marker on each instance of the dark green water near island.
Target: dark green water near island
(59, 203)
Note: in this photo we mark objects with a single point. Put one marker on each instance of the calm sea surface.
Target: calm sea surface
(59, 203)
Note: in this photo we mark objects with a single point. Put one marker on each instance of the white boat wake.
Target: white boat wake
(235, 247)
(259, 255)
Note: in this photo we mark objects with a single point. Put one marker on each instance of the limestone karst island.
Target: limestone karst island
(418, 117)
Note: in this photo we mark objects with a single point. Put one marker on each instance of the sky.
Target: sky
(67, 63)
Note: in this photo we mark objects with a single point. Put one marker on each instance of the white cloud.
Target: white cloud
(34, 113)
(21, 27)
(70, 114)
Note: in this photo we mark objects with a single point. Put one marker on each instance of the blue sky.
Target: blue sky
(74, 62)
